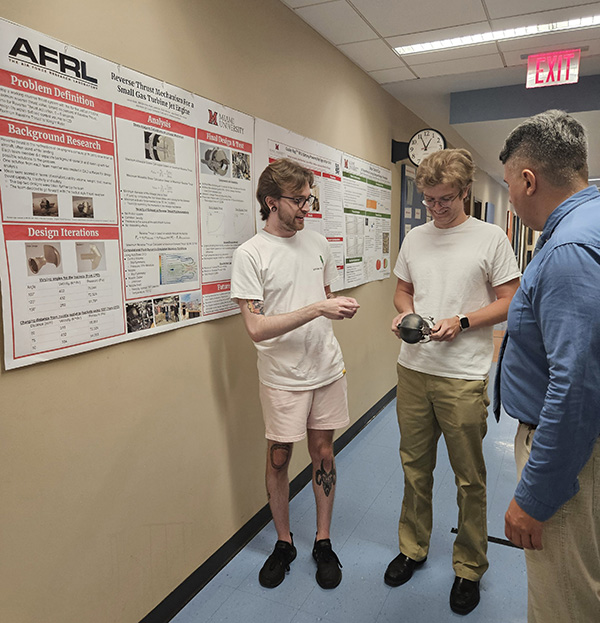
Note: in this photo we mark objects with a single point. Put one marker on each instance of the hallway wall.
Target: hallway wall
(123, 469)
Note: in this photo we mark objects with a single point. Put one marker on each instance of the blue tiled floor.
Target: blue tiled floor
(364, 535)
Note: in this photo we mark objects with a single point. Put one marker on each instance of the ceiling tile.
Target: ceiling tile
(546, 17)
(390, 17)
(403, 22)
(371, 55)
(544, 43)
(399, 74)
(337, 22)
(469, 52)
(439, 35)
(513, 56)
(510, 8)
(295, 4)
(459, 66)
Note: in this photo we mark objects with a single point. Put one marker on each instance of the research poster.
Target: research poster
(367, 192)
(121, 200)
(226, 171)
(327, 213)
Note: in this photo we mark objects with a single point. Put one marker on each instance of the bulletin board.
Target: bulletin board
(412, 211)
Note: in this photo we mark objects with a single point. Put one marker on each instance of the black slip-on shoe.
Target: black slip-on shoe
(400, 570)
(464, 595)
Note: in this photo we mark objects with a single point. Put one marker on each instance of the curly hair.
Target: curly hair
(449, 166)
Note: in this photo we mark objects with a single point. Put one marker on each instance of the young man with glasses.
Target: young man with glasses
(281, 279)
(463, 273)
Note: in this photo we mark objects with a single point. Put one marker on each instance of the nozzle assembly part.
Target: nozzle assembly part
(51, 256)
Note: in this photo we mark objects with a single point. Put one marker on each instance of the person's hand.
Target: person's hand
(338, 307)
(521, 528)
(445, 330)
(396, 321)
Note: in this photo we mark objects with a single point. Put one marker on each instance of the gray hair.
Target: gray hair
(554, 142)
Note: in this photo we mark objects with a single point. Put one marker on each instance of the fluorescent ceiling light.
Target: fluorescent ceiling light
(500, 35)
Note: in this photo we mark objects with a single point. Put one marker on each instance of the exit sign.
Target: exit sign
(552, 68)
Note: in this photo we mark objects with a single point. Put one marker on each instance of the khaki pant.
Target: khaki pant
(563, 579)
(428, 406)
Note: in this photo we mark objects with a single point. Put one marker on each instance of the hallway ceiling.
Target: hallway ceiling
(367, 31)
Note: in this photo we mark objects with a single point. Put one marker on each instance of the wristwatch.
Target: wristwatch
(464, 321)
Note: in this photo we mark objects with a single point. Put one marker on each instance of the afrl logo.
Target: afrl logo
(212, 117)
(51, 59)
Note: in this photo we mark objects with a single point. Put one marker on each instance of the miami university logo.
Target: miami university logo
(212, 117)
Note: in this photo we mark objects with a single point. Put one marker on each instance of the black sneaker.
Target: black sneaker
(277, 564)
(329, 574)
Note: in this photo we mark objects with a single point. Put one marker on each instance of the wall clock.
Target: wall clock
(424, 143)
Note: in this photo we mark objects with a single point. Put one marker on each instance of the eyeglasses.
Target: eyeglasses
(443, 203)
(301, 201)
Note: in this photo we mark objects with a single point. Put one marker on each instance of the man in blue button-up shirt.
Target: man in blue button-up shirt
(550, 373)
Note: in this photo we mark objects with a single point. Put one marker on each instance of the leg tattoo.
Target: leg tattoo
(325, 478)
(280, 455)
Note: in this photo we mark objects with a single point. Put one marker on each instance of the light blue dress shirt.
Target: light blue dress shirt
(550, 376)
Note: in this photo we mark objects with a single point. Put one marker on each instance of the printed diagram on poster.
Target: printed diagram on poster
(327, 215)
(119, 209)
(367, 192)
(159, 202)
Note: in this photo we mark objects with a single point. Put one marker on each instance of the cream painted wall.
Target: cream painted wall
(125, 468)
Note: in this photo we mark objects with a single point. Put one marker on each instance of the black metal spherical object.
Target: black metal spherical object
(411, 328)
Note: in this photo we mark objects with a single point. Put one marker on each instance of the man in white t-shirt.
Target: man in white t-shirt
(463, 273)
(281, 279)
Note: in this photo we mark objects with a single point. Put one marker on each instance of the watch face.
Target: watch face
(424, 143)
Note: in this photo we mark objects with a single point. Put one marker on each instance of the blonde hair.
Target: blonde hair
(449, 166)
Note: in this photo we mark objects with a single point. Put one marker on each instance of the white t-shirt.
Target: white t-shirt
(453, 272)
(287, 274)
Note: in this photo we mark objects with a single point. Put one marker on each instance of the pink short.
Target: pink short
(288, 414)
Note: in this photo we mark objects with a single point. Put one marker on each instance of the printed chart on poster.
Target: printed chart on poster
(327, 215)
(367, 192)
(121, 200)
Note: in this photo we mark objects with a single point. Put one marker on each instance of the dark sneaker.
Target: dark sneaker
(400, 570)
(277, 564)
(464, 595)
(329, 574)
